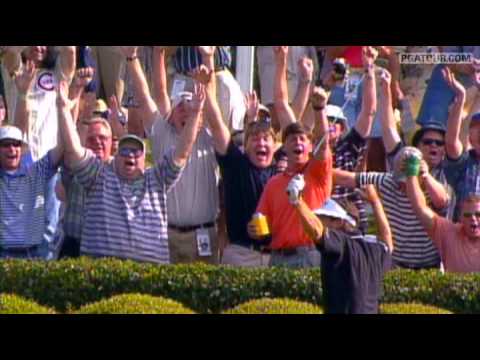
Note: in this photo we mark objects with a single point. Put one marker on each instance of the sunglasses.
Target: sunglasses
(102, 114)
(432, 142)
(468, 215)
(126, 152)
(7, 144)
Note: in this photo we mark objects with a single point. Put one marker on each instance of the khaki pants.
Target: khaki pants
(229, 96)
(183, 247)
(266, 70)
(110, 67)
(241, 256)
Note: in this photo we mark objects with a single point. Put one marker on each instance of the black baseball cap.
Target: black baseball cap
(428, 127)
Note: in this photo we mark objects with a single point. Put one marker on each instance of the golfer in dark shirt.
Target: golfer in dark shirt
(353, 264)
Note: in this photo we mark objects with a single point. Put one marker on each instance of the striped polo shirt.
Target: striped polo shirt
(125, 219)
(188, 58)
(413, 248)
(22, 204)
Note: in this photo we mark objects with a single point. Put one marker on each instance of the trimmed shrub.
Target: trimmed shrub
(69, 284)
(12, 304)
(134, 304)
(275, 306)
(411, 308)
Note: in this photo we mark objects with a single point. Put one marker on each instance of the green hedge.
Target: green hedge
(134, 304)
(275, 306)
(69, 284)
(411, 308)
(13, 304)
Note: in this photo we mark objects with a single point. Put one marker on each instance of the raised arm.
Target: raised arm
(140, 85)
(285, 114)
(220, 132)
(12, 59)
(68, 61)
(384, 230)
(369, 99)
(68, 135)
(437, 192)
(190, 131)
(118, 118)
(419, 203)
(391, 138)
(24, 82)
(160, 90)
(300, 102)
(319, 102)
(81, 79)
(252, 105)
(453, 145)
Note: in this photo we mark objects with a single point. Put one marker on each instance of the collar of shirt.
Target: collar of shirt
(21, 171)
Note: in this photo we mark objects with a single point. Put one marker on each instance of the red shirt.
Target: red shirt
(353, 56)
(283, 219)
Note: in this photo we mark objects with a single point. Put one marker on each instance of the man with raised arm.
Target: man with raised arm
(353, 264)
(24, 197)
(463, 165)
(193, 201)
(125, 213)
(413, 247)
(457, 243)
(430, 140)
(290, 245)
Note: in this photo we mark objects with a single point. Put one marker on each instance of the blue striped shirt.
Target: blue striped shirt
(188, 58)
(22, 203)
(126, 219)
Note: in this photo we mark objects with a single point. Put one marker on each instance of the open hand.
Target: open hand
(195, 106)
(452, 82)
(252, 104)
(369, 55)
(305, 67)
(25, 78)
(202, 74)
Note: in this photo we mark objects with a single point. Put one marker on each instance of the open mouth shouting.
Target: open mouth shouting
(299, 150)
(130, 165)
(261, 153)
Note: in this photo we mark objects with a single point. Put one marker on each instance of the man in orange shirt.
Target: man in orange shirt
(290, 245)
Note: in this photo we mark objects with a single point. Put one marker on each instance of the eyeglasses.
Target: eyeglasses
(468, 215)
(432, 142)
(126, 152)
(7, 144)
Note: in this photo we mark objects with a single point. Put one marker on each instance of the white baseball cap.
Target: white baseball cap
(181, 96)
(333, 209)
(336, 112)
(11, 132)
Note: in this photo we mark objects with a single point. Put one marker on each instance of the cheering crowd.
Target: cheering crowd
(345, 158)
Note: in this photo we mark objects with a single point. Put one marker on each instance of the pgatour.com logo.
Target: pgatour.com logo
(436, 58)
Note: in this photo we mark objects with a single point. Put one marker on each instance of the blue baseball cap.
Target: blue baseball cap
(475, 118)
